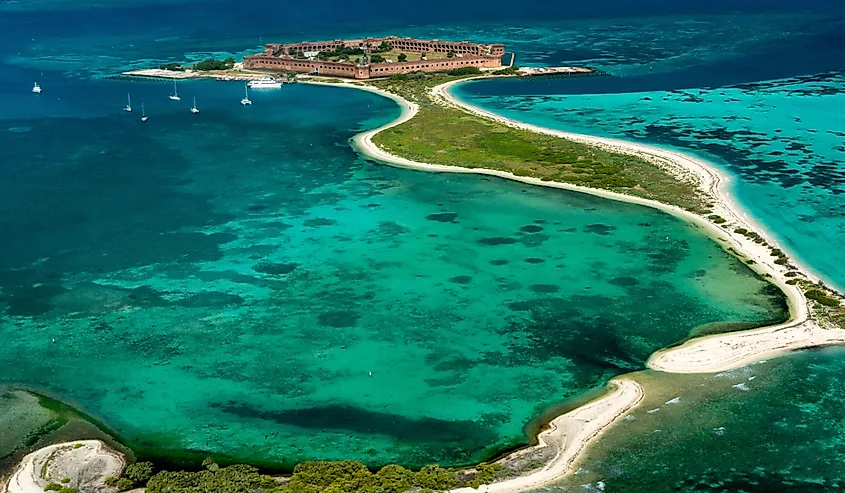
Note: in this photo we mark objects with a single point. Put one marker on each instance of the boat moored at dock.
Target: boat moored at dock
(265, 83)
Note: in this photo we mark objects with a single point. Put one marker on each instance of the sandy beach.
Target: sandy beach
(86, 463)
(568, 434)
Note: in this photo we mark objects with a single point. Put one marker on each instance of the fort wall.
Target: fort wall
(284, 57)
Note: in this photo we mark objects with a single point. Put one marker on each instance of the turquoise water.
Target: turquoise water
(239, 283)
(780, 139)
(773, 426)
(223, 284)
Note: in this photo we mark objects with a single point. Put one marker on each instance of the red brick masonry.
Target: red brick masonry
(282, 57)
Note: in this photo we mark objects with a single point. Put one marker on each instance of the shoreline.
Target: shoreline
(718, 352)
(569, 434)
(724, 351)
(707, 354)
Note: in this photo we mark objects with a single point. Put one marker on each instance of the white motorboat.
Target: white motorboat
(265, 83)
(36, 88)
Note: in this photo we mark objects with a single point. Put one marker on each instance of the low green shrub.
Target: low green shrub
(124, 484)
(820, 297)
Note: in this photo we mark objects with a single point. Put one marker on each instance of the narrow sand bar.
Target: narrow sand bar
(568, 434)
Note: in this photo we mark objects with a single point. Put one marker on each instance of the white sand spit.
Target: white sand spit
(568, 434)
(86, 463)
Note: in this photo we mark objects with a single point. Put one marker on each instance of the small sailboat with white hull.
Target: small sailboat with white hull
(36, 89)
(245, 101)
(128, 107)
(175, 95)
(144, 116)
(194, 108)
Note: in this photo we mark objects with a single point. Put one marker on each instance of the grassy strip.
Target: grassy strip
(451, 136)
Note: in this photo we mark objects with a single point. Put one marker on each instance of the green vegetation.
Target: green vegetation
(450, 54)
(826, 304)
(341, 53)
(232, 479)
(717, 219)
(139, 472)
(171, 66)
(752, 235)
(464, 71)
(450, 136)
(318, 477)
(484, 474)
(376, 59)
(135, 475)
(59, 488)
(822, 298)
(384, 47)
(205, 65)
(512, 70)
(78, 445)
(65, 480)
(215, 64)
(402, 57)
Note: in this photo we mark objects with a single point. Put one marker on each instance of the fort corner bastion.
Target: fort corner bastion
(375, 57)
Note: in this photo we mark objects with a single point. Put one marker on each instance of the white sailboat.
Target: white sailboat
(128, 107)
(36, 88)
(175, 95)
(143, 113)
(245, 101)
(194, 108)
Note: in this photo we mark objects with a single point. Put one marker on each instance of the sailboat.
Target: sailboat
(128, 107)
(245, 101)
(175, 95)
(143, 113)
(36, 88)
(194, 108)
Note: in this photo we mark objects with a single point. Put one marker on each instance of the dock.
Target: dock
(562, 72)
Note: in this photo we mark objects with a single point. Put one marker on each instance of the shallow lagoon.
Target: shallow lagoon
(779, 138)
(240, 284)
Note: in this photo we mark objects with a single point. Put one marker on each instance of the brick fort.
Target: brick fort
(376, 57)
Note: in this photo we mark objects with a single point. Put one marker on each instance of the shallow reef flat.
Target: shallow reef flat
(284, 299)
(777, 138)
